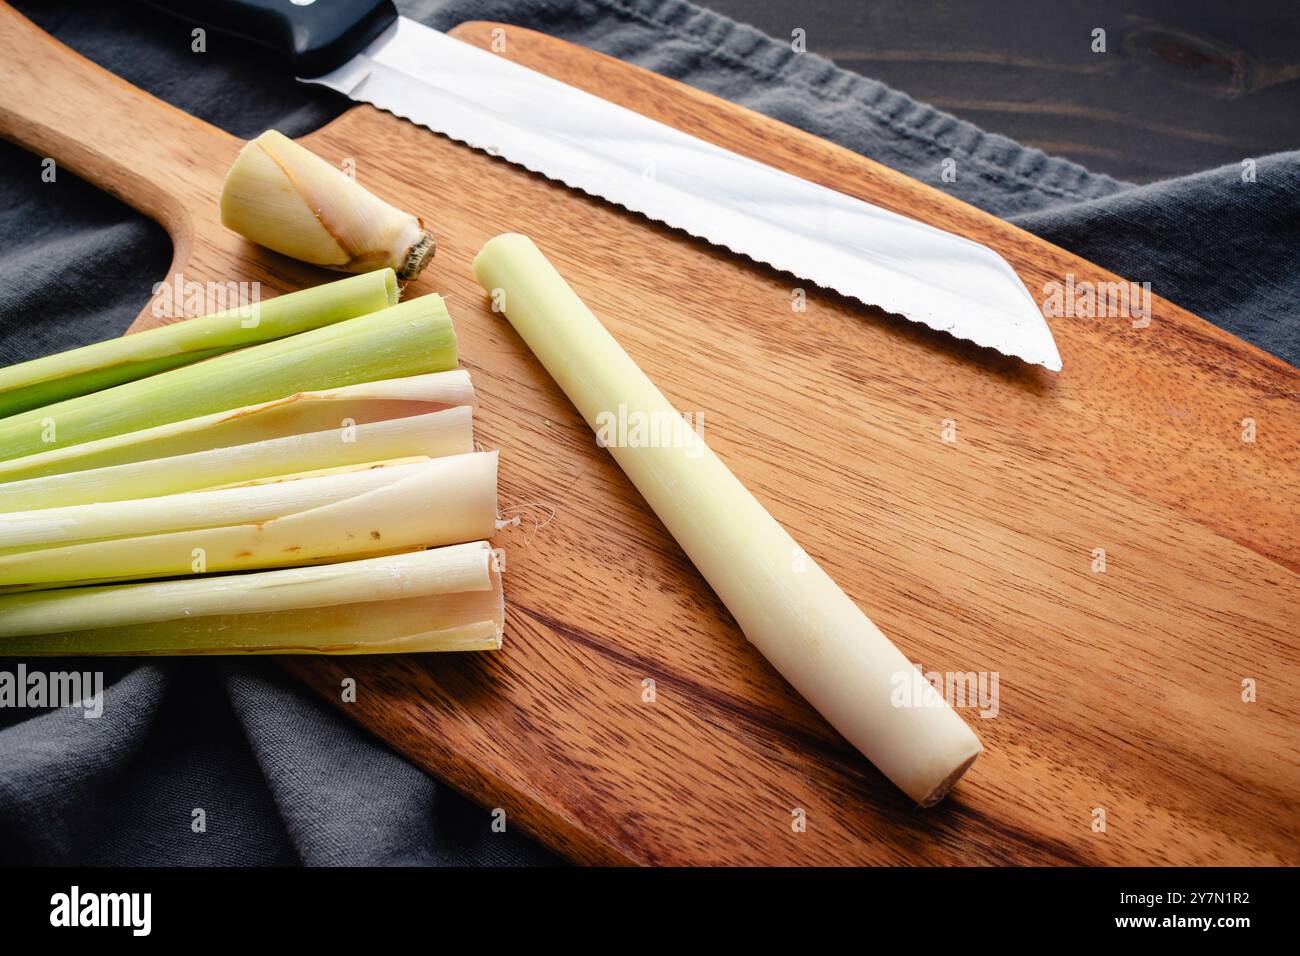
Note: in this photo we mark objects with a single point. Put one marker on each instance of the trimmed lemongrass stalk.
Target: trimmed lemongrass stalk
(92, 368)
(322, 472)
(411, 338)
(437, 434)
(800, 620)
(444, 501)
(241, 504)
(295, 415)
(447, 599)
(285, 197)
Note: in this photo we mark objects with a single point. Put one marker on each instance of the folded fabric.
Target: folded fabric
(280, 776)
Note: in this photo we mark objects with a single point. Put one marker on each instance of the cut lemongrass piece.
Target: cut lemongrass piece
(412, 338)
(448, 432)
(787, 606)
(444, 501)
(91, 368)
(296, 414)
(447, 599)
(287, 198)
(74, 524)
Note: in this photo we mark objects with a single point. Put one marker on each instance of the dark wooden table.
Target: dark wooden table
(1182, 86)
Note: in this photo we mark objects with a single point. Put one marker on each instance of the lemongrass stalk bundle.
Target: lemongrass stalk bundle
(790, 609)
(296, 414)
(411, 338)
(91, 368)
(448, 432)
(443, 501)
(447, 599)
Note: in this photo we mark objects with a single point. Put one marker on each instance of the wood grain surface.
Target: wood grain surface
(1120, 691)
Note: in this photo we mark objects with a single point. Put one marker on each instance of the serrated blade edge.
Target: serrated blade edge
(941, 280)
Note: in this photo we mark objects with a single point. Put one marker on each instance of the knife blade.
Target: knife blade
(364, 50)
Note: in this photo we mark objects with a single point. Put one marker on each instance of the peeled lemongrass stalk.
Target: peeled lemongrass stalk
(437, 434)
(285, 197)
(92, 368)
(322, 472)
(242, 504)
(297, 414)
(411, 338)
(444, 501)
(787, 606)
(447, 599)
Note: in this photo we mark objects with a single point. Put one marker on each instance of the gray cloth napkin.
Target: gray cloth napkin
(280, 777)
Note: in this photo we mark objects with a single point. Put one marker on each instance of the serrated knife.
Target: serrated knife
(365, 50)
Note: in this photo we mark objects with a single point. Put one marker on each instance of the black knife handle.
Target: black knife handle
(316, 36)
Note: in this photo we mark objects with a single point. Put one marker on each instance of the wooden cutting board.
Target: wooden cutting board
(1120, 691)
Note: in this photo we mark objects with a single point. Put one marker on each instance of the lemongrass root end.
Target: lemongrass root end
(417, 257)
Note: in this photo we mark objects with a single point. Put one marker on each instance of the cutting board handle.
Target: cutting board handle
(156, 158)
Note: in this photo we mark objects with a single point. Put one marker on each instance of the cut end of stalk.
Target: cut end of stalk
(391, 287)
(498, 599)
(950, 781)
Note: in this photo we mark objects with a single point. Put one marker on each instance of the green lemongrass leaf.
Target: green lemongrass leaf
(412, 338)
(65, 375)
